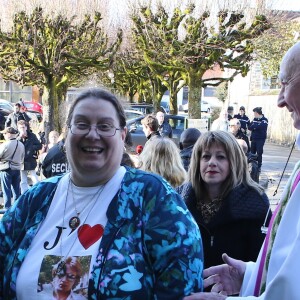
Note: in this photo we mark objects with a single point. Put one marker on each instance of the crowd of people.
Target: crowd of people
(242, 128)
(187, 222)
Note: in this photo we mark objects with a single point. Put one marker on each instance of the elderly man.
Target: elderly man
(11, 151)
(275, 275)
(164, 127)
(235, 129)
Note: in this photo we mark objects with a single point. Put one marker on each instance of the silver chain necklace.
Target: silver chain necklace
(74, 222)
(62, 263)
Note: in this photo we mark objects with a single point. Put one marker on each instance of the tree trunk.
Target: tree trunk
(51, 100)
(195, 93)
(158, 90)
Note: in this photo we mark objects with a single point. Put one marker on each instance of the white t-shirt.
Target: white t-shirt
(55, 240)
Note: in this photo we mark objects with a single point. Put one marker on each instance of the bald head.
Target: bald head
(290, 63)
(289, 75)
(189, 137)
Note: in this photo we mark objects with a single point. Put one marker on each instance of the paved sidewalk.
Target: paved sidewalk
(274, 160)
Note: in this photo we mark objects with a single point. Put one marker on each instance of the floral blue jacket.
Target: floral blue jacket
(151, 247)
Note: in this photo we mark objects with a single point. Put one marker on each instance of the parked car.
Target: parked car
(34, 107)
(132, 114)
(6, 105)
(6, 108)
(205, 107)
(145, 108)
(177, 122)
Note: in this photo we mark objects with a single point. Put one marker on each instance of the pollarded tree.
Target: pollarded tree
(227, 44)
(153, 32)
(54, 53)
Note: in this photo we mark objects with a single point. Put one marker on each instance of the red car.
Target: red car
(34, 107)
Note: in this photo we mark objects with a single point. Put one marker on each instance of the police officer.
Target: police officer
(258, 128)
(244, 120)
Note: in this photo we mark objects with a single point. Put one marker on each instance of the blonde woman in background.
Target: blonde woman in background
(162, 157)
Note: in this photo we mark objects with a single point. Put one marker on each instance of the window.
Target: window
(209, 91)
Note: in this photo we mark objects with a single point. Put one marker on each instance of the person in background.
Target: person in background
(13, 151)
(274, 275)
(188, 138)
(17, 115)
(32, 146)
(228, 206)
(164, 127)
(150, 128)
(251, 159)
(230, 112)
(221, 123)
(235, 129)
(161, 156)
(244, 120)
(258, 127)
(53, 137)
(142, 240)
(55, 161)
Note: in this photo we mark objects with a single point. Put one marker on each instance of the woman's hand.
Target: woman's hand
(225, 280)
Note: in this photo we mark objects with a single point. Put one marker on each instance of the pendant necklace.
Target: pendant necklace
(76, 223)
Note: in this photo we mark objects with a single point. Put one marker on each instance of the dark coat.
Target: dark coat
(55, 162)
(235, 229)
(13, 119)
(165, 130)
(259, 128)
(185, 155)
(32, 146)
(244, 120)
(241, 136)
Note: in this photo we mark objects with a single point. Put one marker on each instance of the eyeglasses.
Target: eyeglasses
(69, 277)
(105, 130)
(231, 125)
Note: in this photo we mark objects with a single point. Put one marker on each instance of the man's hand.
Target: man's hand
(225, 280)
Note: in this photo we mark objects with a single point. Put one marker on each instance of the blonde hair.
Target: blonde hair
(161, 156)
(238, 166)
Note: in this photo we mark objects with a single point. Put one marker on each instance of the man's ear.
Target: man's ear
(124, 133)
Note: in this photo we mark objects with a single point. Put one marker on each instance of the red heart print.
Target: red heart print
(88, 235)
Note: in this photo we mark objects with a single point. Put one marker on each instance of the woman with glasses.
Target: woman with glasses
(229, 207)
(69, 282)
(142, 241)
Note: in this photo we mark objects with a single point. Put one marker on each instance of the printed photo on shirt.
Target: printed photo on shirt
(64, 277)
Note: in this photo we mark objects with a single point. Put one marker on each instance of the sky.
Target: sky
(287, 4)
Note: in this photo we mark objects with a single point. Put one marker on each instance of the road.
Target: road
(274, 159)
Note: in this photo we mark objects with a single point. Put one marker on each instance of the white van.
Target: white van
(205, 107)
